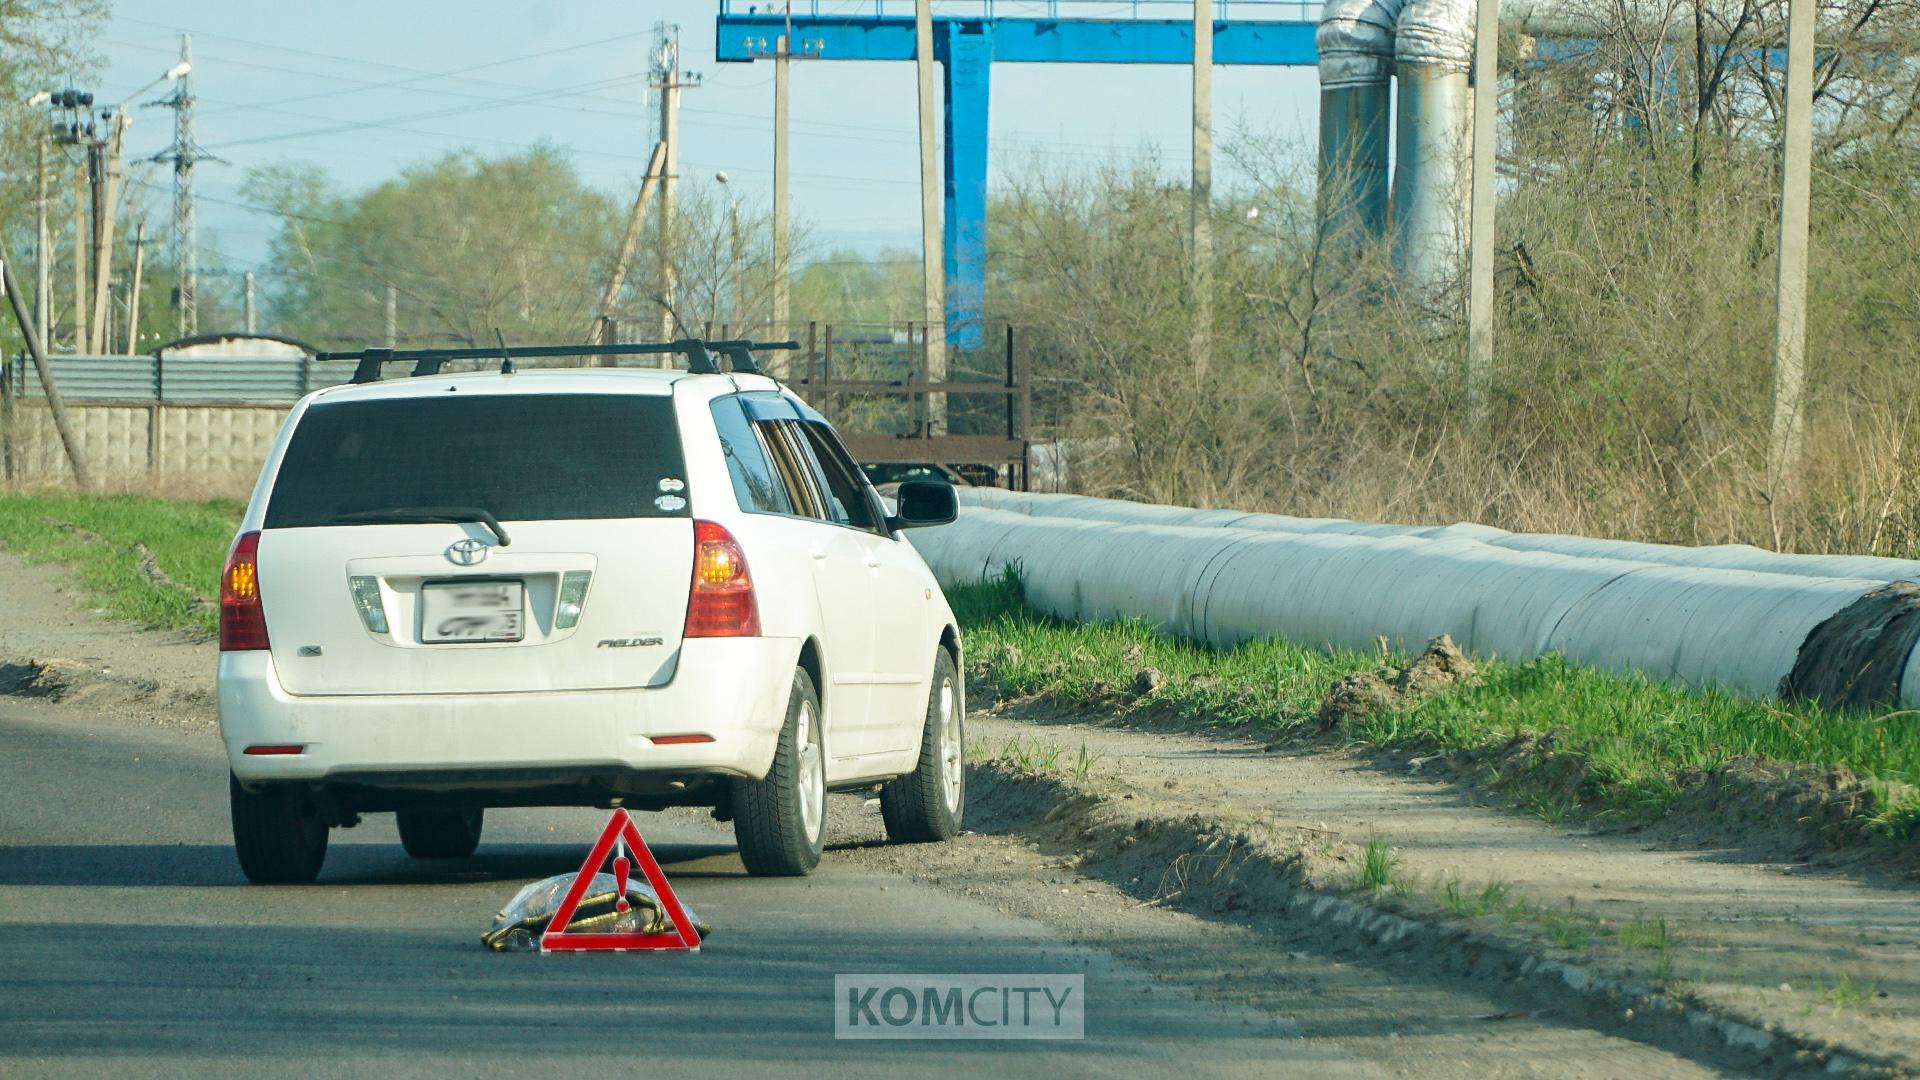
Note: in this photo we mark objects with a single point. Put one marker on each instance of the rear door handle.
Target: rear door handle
(873, 562)
(819, 554)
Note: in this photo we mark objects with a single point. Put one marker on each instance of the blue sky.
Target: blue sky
(358, 89)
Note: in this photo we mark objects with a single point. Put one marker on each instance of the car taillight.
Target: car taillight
(243, 624)
(721, 603)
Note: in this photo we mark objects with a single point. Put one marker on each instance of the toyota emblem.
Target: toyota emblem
(468, 552)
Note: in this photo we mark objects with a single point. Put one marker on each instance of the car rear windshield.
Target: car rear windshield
(520, 457)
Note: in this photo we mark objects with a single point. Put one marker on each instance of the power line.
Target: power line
(354, 125)
(869, 132)
(454, 72)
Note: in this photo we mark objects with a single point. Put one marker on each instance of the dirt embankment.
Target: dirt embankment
(52, 649)
(1694, 950)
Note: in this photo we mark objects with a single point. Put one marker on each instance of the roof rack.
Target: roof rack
(699, 354)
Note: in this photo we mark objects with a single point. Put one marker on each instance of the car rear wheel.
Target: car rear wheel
(927, 803)
(780, 821)
(278, 834)
(440, 834)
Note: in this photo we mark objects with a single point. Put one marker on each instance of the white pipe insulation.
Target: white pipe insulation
(1355, 43)
(1424, 49)
(1719, 556)
(1432, 59)
(1427, 47)
(1221, 583)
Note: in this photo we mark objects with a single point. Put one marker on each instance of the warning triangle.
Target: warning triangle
(682, 937)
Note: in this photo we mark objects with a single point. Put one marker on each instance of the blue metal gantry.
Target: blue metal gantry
(969, 36)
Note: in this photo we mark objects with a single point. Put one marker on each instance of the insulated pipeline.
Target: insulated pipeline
(1217, 580)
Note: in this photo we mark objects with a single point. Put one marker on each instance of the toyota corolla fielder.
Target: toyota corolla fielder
(583, 587)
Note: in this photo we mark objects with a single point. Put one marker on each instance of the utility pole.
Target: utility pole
(1486, 115)
(737, 249)
(246, 287)
(80, 245)
(48, 388)
(105, 158)
(933, 280)
(393, 316)
(669, 79)
(1199, 209)
(783, 51)
(780, 238)
(182, 156)
(1790, 297)
(43, 255)
(630, 239)
(133, 294)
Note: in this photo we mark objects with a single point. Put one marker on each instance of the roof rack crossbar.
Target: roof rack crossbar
(699, 354)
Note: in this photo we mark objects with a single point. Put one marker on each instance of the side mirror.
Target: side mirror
(922, 503)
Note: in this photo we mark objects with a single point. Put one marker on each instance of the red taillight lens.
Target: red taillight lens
(721, 603)
(243, 624)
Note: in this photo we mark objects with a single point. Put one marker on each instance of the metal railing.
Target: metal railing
(1228, 10)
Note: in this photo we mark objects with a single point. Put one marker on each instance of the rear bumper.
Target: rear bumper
(732, 689)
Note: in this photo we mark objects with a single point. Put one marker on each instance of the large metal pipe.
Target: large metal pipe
(1433, 56)
(1420, 53)
(1355, 41)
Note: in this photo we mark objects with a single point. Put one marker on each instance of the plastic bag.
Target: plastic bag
(518, 926)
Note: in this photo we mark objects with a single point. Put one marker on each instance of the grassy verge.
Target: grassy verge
(103, 539)
(1601, 745)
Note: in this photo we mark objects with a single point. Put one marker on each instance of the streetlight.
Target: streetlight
(739, 254)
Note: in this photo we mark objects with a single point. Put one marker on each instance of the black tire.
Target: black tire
(278, 834)
(781, 821)
(440, 834)
(926, 804)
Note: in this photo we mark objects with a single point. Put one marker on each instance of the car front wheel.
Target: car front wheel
(780, 820)
(927, 803)
(278, 834)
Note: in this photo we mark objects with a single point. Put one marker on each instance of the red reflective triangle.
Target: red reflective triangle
(682, 937)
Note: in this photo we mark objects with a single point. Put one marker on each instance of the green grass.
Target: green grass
(1376, 866)
(1843, 992)
(96, 536)
(1618, 744)
(1489, 898)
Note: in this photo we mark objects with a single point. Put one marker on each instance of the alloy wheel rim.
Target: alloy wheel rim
(951, 767)
(813, 792)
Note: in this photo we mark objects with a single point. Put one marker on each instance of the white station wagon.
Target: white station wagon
(579, 587)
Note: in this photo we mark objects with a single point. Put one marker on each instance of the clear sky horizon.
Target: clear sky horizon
(362, 90)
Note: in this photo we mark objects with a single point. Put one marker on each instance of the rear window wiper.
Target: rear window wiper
(454, 514)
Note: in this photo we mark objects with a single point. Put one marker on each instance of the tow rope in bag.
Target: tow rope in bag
(518, 926)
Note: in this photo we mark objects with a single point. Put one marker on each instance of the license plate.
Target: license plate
(452, 611)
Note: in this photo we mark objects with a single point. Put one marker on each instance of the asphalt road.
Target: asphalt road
(131, 945)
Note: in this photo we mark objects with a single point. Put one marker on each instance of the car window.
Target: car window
(520, 457)
(756, 484)
(795, 466)
(847, 502)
